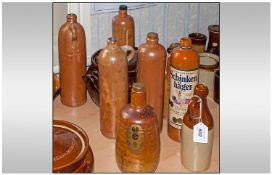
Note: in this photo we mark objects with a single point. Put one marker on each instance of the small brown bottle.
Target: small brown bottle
(113, 86)
(123, 27)
(183, 79)
(197, 132)
(150, 71)
(137, 147)
(72, 62)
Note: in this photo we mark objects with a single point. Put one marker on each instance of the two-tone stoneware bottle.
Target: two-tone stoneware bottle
(183, 79)
(197, 132)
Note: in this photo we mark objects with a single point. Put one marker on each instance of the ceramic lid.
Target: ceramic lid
(71, 146)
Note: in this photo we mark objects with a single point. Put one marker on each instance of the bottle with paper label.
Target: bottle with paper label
(183, 79)
(197, 132)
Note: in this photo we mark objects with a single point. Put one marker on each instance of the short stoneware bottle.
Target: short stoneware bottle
(123, 27)
(150, 71)
(137, 147)
(72, 62)
(113, 86)
(197, 132)
(183, 79)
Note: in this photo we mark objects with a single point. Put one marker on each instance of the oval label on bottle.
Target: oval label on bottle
(135, 138)
(182, 84)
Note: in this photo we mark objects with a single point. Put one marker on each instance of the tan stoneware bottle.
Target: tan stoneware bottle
(113, 86)
(183, 79)
(72, 62)
(137, 147)
(150, 71)
(123, 27)
(197, 132)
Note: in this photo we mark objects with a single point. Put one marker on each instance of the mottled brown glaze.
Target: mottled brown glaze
(138, 139)
(150, 72)
(167, 80)
(113, 86)
(72, 62)
(71, 150)
(123, 28)
(196, 156)
(183, 58)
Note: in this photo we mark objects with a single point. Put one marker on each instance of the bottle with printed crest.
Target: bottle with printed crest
(137, 147)
(197, 132)
(183, 79)
(123, 27)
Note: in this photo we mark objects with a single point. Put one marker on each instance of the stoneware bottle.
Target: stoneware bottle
(137, 147)
(72, 62)
(113, 86)
(197, 132)
(183, 79)
(123, 27)
(150, 71)
(167, 80)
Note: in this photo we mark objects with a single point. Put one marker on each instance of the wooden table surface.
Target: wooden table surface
(87, 117)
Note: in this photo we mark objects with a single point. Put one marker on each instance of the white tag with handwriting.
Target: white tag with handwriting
(200, 133)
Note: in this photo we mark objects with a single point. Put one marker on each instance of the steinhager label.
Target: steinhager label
(182, 84)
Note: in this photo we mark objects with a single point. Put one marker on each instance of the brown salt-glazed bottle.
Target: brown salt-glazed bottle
(123, 27)
(195, 155)
(113, 86)
(137, 147)
(150, 71)
(72, 62)
(183, 79)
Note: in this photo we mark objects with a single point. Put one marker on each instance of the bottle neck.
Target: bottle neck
(152, 41)
(122, 13)
(71, 18)
(138, 99)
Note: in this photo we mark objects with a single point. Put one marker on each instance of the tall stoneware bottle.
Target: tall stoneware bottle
(72, 62)
(197, 132)
(150, 71)
(167, 80)
(123, 27)
(137, 147)
(183, 79)
(113, 86)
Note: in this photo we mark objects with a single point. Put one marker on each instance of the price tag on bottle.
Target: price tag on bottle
(200, 133)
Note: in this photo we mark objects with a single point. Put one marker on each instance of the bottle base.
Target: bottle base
(78, 104)
(173, 133)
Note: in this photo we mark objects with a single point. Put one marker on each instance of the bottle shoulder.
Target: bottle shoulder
(135, 115)
(184, 59)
